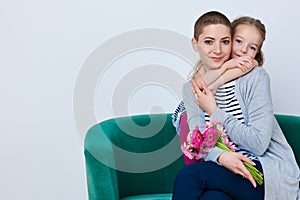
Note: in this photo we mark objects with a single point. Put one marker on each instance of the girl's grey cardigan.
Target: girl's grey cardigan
(260, 134)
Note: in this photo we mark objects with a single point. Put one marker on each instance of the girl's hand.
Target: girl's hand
(205, 98)
(234, 162)
(245, 63)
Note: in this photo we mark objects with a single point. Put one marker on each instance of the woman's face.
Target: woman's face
(213, 45)
(246, 41)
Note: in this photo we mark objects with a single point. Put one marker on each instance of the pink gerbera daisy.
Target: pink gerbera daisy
(210, 137)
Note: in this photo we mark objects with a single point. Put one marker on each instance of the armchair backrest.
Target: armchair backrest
(290, 126)
(140, 154)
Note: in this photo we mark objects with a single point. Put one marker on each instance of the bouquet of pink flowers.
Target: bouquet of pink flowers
(198, 145)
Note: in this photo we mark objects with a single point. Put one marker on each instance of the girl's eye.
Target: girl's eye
(252, 48)
(238, 41)
(209, 42)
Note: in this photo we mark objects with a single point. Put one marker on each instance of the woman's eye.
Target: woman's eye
(209, 42)
(226, 41)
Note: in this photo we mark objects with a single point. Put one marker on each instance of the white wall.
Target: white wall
(44, 47)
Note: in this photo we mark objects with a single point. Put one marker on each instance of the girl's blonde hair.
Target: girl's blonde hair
(195, 69)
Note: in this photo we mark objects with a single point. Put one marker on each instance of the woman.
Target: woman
(253, 128)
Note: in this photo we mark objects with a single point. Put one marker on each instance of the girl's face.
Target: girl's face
(213, 45)
(246, 41)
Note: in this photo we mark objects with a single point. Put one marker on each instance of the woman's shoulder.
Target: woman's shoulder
(256, 73)
(186, 88)
(186, 85)
(254, 79)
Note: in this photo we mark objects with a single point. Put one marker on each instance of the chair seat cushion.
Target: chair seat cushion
(150, 197)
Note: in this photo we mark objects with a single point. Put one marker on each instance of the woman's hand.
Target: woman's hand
(205, 98)
(198, 79)
(234, 162)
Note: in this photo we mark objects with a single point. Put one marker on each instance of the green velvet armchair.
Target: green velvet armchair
(138, 157)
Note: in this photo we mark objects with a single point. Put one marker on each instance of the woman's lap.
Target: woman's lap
(214, 194)
(194, 180)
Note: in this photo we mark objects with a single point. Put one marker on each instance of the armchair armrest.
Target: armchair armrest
(133, 155)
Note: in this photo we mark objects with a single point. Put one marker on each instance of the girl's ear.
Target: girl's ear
(195, 45)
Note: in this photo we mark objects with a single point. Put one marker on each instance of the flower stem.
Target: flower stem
(257, 175)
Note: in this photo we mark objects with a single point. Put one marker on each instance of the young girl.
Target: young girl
(244, 107)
